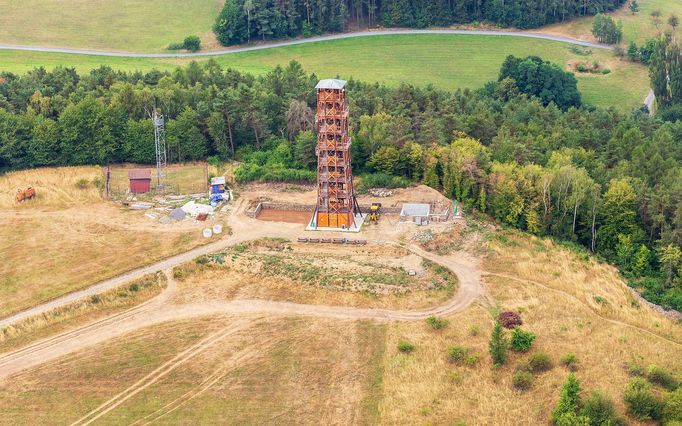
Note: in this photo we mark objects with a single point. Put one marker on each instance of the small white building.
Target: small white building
(414, 212)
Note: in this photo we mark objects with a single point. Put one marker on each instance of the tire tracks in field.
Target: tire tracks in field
(51, 343)
(161, 372)
(217, 375)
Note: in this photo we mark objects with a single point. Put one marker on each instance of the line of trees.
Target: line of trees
(242, 21)
(607, 180)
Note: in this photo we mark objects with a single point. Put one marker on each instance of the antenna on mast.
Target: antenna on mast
(160, 144)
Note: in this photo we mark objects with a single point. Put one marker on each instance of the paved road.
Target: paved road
(303, 41)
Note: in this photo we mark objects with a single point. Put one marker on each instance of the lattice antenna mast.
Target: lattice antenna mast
(160, 144)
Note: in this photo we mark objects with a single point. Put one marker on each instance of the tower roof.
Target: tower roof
(331, 83)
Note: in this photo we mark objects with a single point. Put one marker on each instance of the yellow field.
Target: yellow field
(69, 237)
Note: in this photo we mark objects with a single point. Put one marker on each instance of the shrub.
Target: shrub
(572, 419)
(82, 183)
(472, 359)
(521, 341)
(659, 376)
(98, 182)
(457, 354)
(569, 400)
(522, 380)
(381, 180)
(581, 67)
(510, 319)
(134, 288)
(437, 323)
(192, 43)
(635, 370)
(405, 347)
(474, 330)
(95, 299)
(498, 345)
(606, 71)
(539, 362)
(570, 361)
(640, 401)
(600, 300)
(455, 377)
(600, 409)
(672, 411)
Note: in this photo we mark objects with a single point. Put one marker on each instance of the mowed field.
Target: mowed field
(637, 27)
(121, 25)
(444, 60)
(69, 237)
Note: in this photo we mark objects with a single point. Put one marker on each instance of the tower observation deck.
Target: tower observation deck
(337, 205)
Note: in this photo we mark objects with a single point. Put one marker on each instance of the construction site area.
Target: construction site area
(137, 294)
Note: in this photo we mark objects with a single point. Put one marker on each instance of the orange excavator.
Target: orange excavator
(29, 193)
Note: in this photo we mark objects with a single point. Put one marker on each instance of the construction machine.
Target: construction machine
(374, 212)
(25, 195)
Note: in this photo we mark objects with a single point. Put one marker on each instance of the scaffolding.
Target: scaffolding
(337, 205)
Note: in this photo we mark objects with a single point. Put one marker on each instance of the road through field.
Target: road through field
(158, 310)
(293, 42)
(246, 229)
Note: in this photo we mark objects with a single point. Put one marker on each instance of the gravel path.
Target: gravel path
(293, 42)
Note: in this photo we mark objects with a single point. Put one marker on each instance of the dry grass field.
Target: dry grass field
(190, 178)
(425, 388)
(367, 277)
(69, 237)
(248, 371)
(309, 370)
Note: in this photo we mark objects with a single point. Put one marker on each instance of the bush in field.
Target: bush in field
(457, 354)
(405, 347)
(539, 362)
(521, 341)
(672, 411)
(510, 319)
(641, 402)
(82, 183)
(437, 323)
(570, 361)
(192, 43)
(522, 380)
(659, 376)
(601, 410)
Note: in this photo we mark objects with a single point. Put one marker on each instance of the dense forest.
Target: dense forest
(242, 21)
(610, 181)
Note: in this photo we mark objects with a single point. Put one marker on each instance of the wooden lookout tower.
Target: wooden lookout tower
(337, 206)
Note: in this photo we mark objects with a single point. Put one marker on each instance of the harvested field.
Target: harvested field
(287, 216)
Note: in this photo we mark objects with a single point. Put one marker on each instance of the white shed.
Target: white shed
(414, 212)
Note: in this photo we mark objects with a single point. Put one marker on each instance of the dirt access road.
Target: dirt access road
(158, 310)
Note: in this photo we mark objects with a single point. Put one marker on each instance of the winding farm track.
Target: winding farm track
(293, 42)
(156, 311)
